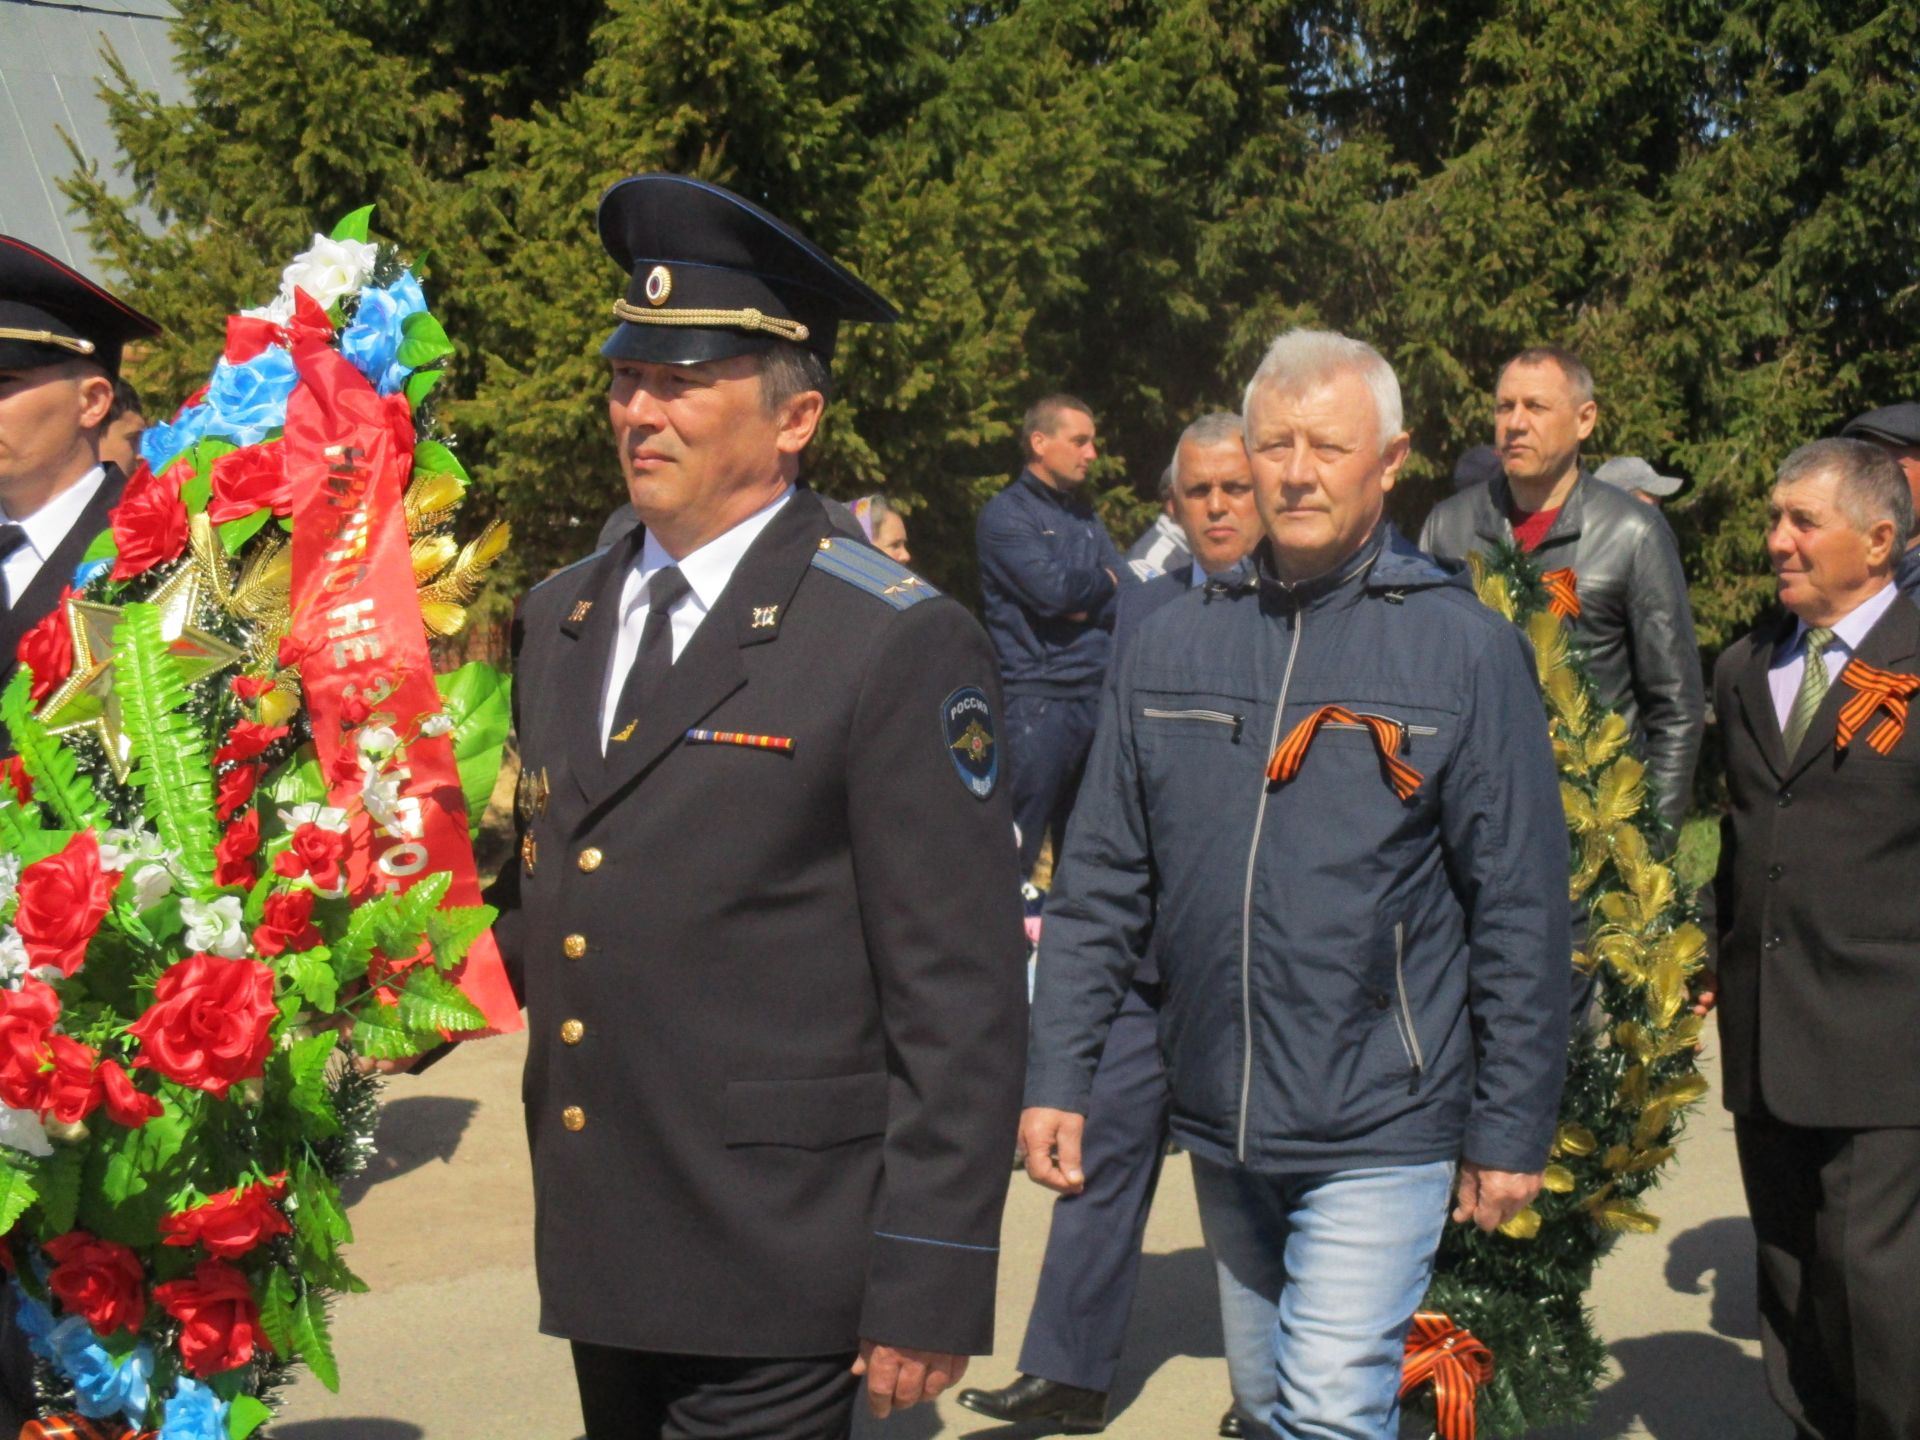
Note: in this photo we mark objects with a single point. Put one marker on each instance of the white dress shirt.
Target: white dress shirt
(1790, 661)
(45, 529)
(707, 571)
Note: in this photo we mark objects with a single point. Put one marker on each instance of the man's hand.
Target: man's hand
(899, 1376)
(1706, 992)
(1051, 1139)
(1490, 1198)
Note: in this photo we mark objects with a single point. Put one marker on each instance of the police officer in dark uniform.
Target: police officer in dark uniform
(61, 338)
(763, 912)
(1896, 429)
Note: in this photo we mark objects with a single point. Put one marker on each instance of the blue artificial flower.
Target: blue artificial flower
(194, 1413)
(161, 445)
(35, 1321)
(245, 401)
(103, 1385)
(372, 342)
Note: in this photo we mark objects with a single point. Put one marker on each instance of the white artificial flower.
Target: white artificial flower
(151, 882)
(436, 724)
(121, 849)
(377, 742)
(14, 963)
(278, 312)
(381, 795)
(329, 270)
(214, 926)
(22, 1130)
(327, 817)
(9, 877)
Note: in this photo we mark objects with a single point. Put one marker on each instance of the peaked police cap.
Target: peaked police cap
(50, 312)
(1894, 425)
(713, 275)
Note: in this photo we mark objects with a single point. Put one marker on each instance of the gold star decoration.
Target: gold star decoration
(87, 700)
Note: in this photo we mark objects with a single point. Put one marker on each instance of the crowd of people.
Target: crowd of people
(1308, 914)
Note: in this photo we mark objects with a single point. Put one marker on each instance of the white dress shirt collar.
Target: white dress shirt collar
(1850, 629)
(709, 568)
(48, 525)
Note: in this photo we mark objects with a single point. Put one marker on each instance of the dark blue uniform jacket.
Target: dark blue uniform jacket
(1351, 979)
(1045, 556)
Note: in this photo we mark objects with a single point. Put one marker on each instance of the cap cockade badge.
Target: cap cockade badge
(659, 285)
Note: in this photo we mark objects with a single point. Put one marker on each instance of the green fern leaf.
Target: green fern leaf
(53, 769)
(172, 766)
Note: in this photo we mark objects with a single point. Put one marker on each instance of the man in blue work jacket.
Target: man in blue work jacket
(1049, 578)
(1325, 804)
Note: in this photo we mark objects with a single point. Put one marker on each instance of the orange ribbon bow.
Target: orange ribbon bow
(79, 1427)
(1874, 689)
(1562, 599)
(1292, 751)
(1456, 1363)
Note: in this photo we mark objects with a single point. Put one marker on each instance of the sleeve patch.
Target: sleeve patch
(966, 723)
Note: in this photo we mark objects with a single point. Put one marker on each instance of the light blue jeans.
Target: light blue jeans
(1319, 1277)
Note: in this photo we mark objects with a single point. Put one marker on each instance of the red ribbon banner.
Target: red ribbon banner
(1456, 1363)
(358, 634)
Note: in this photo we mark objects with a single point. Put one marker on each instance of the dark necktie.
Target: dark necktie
(666, 588)
(12, 537)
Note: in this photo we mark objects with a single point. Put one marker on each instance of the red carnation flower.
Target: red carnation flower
(48, 649)
(247, 739)
(314, 852)
(210, 1022)
(248, 480)
(233, 1222)
(26, 1015)
(251, 687)
(234, 853)
(149, 523)
(13, 773)
(286, 924)
(99, 1280)
(220, 1323)
(63, 898)
(234, 789)
(126, 1104)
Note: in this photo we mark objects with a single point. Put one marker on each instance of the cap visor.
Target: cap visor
(680, 344)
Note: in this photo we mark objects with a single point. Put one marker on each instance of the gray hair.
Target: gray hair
(1166, 479)
(787, 370)
(1302, 358)
(1217, 428)
(1872, 486)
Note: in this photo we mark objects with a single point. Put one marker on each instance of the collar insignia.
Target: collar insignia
(765, 617)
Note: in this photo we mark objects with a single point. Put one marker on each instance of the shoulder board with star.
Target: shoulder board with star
(865, 568)
(566, 570)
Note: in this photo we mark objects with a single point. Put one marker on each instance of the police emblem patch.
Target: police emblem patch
(967, 722)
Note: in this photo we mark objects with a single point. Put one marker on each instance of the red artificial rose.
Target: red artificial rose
(126, 1104)
(286, 924)
(63, 898)
(314, 852)
(233, 1222)
(26, 1015)
(149, 523)
(234, 789)
(219, 1322)
(251, 687)
(355, 708)
(234, 854)
(73, 1089)
(209, 1023)
(48, 649)
(97, 1279)
(248, 480)
(247, 739)
(13, 773)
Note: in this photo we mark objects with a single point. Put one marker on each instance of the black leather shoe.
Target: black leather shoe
(1232, 1427)
(1072, 1410)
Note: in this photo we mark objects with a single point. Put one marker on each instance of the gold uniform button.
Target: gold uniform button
(574, 1118)
(575, 946)
(573, 1032)
(590, 859)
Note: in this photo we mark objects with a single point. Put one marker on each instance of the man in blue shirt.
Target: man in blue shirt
(1049, 580)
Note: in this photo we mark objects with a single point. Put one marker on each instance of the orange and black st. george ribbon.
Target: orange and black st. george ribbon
(79, 1427)
(1562, 598)
(1874, 690)
(1291, 752)
(1456, 1362)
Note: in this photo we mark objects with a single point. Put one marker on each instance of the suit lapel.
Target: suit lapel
(39, 598)
(1889, 645)
(711, 668)
(579, 669)
(1756, 695)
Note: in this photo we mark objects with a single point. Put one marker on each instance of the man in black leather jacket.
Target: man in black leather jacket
(1628, 592)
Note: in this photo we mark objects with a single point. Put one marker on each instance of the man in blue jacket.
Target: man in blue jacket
(1326, 806)
(1049, 578)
